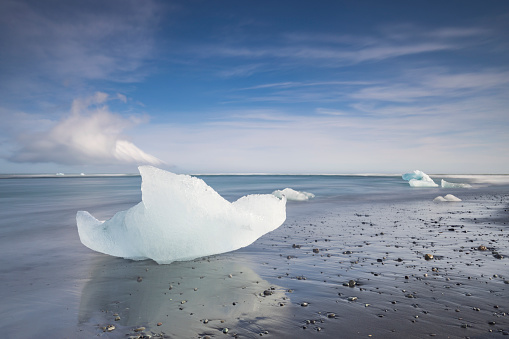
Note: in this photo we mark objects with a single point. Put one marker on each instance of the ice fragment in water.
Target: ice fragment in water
(292, 194)
(419, 179)
(446, 184)
(181, 218)
(448, 197)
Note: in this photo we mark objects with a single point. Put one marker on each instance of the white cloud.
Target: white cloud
(90, 134)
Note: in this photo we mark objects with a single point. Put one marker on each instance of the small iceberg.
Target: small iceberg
(419, 179)
(446, 184)
(181, 218)
(448, 197)
(294, 195)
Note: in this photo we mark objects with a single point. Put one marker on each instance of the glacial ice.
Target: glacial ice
(181, 218)
(446, 184)
(419, 179)
(292, 194)
(448, 197)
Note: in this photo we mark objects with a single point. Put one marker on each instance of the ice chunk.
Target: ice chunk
(422, 183)
(418, 175)
(446, 184)
(292, 194)
(419, 179)
(181, 218)
(448, 197)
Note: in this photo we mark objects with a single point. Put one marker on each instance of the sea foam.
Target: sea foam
(181, 218)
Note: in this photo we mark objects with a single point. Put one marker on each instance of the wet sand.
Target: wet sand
(351, 271)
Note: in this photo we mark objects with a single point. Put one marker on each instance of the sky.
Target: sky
(254, 87)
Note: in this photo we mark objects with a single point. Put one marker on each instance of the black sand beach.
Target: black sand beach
(334, 270)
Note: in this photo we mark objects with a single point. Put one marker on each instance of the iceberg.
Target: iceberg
(181, 218)
(448, 197)
(419, 179)
(292, 194)
(446, 184)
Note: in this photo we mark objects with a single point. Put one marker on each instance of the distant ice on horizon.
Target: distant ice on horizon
(419, 179)
(181, 218)
(446, 184)
(294, 195)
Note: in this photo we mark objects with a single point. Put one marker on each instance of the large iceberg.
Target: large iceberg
(446, 184)
(181, 218)
(419, 179)
(292, 194)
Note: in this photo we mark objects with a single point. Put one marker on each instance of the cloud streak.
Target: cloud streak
(68, 45)
(338, 51)
(90, 134)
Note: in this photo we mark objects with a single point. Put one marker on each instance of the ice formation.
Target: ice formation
(181, 218)
(292, 194)
(448, 197)
(446, 184)
(419, 179)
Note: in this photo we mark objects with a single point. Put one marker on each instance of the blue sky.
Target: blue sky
(245, 86)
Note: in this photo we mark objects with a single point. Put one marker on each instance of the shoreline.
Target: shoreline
(273, 288)
(342, 264)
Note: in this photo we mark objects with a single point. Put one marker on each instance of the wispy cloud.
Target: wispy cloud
(293, 84)
(66, 43)
(437, 84)
(327, 111)
(240, 71)
(333, 56)
(341, 50)
(90, 134)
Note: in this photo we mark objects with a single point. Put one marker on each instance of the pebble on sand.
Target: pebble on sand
(428, 256)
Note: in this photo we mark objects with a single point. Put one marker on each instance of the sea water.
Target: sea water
(45, 270)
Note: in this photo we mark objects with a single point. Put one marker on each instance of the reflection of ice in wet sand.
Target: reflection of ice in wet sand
(187, 298)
